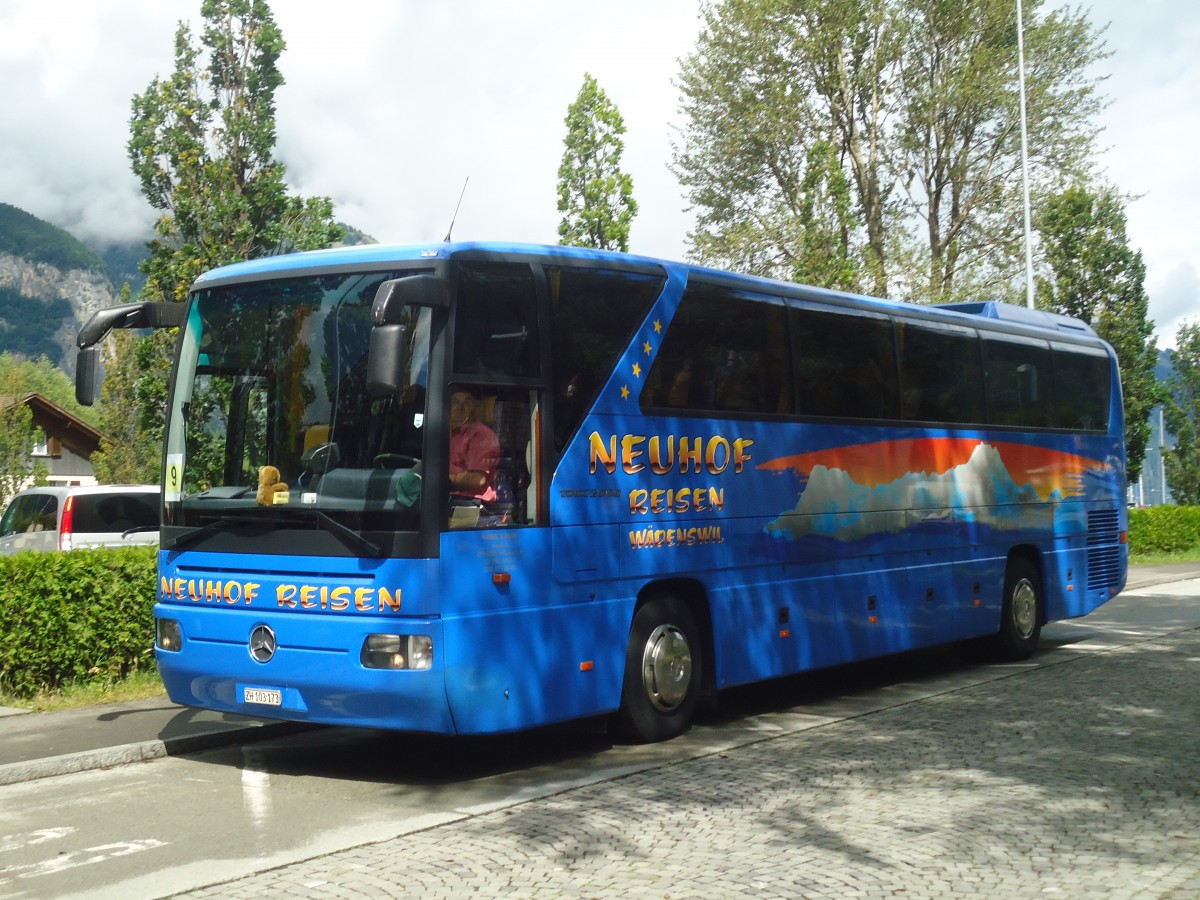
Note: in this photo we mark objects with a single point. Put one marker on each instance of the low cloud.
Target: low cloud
(1174, 299)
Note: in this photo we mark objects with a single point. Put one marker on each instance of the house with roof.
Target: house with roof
(65, 442)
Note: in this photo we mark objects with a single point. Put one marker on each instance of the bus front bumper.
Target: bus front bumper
(304, 668)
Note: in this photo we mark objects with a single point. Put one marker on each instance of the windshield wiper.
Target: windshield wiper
(333, 526)
(326, 522)
(219, 524)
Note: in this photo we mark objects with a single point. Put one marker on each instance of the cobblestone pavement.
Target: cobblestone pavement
(1074, 779)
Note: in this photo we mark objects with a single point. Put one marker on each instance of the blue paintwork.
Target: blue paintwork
(530, 625)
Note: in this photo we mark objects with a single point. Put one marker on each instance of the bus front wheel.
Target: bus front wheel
(663, 666)
(1021, 615)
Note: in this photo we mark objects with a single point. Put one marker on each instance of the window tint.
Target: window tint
(96, 513)
(941, 373)
(723, 352)
(1083, 387)
(1019, 381)
(845, 365)
(495, 328)
(594, 313)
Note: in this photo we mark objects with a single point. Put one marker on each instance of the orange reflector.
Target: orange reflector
(1070, 587)
(501, 577)
(872, 619)
(785, 633)
(586, 666)
(978, 601)
(1123, 537)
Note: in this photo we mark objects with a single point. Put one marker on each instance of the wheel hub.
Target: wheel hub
(667, 667)
(1024, 608)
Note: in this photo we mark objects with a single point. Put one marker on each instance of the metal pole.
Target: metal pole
(1162, 453)
(1024, 158)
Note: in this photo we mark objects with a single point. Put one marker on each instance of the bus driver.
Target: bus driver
(474, 449)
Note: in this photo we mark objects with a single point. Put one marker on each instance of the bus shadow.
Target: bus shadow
(805, 689)
(419, 760)
(407, 759)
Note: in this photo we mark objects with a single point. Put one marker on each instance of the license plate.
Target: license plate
(262, 697)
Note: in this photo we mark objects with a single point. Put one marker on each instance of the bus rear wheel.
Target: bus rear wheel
(1021, 614)
(663, 665)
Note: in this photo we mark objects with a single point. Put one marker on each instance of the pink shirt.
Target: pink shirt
(475, 448)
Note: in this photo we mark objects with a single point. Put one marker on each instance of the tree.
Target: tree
(16, 447)
(769, 83)
(919, 100)
(132, 402)
(1182, 415)
(1094, 275)
(17, 432)
(40, 376)
(958, 148)
(594, 195)
(202, 145)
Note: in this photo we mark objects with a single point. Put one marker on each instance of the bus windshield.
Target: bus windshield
(271, 417)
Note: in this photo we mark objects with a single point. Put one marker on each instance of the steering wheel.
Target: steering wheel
(394, 461)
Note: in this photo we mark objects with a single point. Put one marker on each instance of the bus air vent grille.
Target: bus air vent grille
(1104, 551)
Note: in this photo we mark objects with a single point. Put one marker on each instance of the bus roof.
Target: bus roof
(361, 254)
(1008, 312)
(385, 254)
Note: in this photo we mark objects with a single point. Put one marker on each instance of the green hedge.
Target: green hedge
(1164, 529)
(68, 617)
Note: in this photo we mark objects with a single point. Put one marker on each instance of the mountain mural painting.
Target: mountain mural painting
(888, 487)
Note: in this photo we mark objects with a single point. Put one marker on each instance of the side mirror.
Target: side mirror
(389, 337)
(385, 359)
(87, 365)
(148, 314)
(412, 290)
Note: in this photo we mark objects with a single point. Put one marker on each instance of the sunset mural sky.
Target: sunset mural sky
(883, 462)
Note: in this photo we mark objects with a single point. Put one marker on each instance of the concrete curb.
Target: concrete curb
(143, 751)
(84, 761)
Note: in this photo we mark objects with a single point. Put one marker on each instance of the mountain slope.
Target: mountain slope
(40, 242)
(50, 284)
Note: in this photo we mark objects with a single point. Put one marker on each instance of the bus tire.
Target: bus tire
(1021, 613)
(663, 667)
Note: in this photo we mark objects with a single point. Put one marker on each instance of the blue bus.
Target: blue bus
(472, 488)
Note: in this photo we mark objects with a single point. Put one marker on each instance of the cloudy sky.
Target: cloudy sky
(391, 104)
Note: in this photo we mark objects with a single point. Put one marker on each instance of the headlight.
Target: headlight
(397, 651)
(167, 635)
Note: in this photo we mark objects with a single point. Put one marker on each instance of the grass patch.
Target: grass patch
(77, 695)
(1154, 559)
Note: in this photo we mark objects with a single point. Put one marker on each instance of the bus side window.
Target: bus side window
(845, 364)
(723, 352)
(1019, 384)
(942, 373)
(496, 322)
(594, 314)
(1083, 387)
(508, 414)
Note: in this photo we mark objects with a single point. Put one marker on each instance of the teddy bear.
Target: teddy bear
(270, 489)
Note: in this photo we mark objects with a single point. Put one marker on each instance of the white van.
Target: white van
(69, 518)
